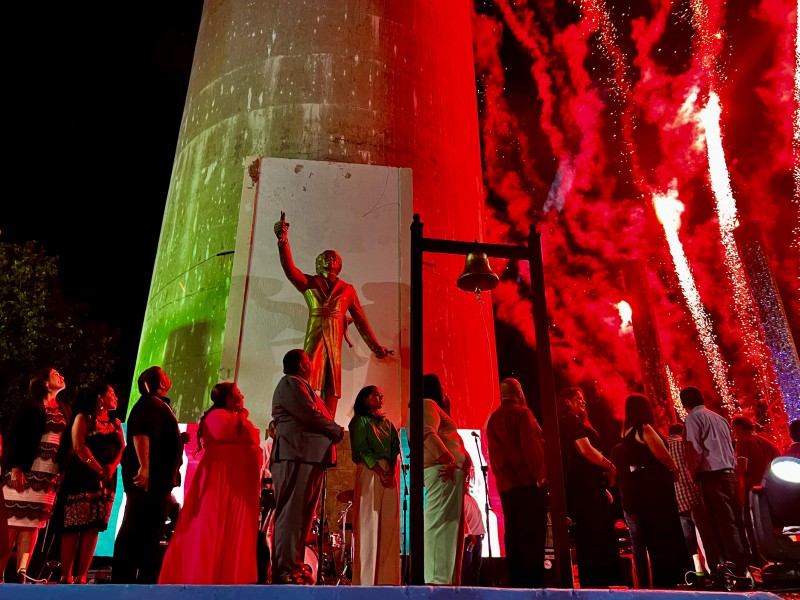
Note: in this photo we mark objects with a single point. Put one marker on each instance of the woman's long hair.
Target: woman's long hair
(432, 388)
(360, 403)
(37, 386)
(638, 411)
(86, 400)
(219, 394)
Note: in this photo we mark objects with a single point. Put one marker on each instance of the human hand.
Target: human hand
(383, 464)
(610, 497)
(611, 475)
(281, 229)
(382, 352)
(339, 437)
(142, 478)
(106, 472)
(389, 478)
(447, 472)
(18, 480)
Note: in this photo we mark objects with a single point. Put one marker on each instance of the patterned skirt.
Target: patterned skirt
(33, 507)
(88, 510)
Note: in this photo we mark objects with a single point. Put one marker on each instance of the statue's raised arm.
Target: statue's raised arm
(293, 274)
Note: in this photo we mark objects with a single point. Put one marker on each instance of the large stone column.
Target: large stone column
(648, 345)
(367, 82)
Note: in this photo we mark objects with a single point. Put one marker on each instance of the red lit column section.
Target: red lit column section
(776, 332)
(648, 346)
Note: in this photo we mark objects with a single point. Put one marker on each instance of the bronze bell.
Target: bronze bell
(478, 275)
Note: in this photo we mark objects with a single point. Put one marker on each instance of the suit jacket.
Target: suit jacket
(304, 429)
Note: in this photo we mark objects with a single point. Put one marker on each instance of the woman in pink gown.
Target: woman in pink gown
(215, 537)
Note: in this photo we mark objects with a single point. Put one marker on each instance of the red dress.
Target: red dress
(215, 538)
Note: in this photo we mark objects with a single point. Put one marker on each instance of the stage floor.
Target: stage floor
(291, 592)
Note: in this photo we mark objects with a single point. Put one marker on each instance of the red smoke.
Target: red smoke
(587, 111)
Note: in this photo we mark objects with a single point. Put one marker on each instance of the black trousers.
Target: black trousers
(525, 517)
(137, 549)
(596, 543)
(471, 562)
(721, 499)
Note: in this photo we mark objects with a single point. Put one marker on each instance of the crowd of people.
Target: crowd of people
(684, 497)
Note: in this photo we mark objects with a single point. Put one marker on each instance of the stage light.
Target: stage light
(775, 510)
(782, 487)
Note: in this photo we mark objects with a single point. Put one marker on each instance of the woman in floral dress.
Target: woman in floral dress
(31, 471)
(90, 479)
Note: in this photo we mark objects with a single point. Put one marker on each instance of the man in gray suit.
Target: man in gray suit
(305, 434)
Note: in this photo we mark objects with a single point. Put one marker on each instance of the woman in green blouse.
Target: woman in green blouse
(375, 445)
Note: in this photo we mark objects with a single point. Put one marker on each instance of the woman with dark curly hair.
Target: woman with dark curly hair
(90, 478)
(375, 445)
(215, 538)
(31, 468)
(587, 475)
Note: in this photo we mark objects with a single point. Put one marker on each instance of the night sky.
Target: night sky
(96, 102)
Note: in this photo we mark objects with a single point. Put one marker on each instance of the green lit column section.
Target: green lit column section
(375, 83)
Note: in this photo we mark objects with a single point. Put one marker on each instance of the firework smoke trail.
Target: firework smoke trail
(538, 48)
(552, 144)
(675, 394)
(669, 209)
(726, 210)
(586, 354)
(707, 17)
(596, 13)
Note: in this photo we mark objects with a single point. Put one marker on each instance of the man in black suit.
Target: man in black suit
(305, 434)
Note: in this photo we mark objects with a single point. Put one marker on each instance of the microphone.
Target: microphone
(475, 434)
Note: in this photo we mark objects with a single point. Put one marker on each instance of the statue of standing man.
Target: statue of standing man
(329, 299)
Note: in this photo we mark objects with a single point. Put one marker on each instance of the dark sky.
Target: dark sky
(96, 103)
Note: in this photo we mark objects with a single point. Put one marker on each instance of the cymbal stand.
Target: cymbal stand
(347, 555)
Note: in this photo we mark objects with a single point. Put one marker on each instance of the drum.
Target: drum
(312, 560)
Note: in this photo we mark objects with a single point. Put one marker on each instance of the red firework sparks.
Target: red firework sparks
(588, 110)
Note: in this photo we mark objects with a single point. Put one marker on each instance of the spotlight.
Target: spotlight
(775, 510)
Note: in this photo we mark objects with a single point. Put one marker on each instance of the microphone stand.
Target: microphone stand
(322, 524)
(487, 506)
(404, 510)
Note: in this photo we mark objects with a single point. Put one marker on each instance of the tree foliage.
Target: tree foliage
(39, 328)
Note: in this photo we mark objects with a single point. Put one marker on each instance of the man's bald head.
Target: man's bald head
(511, 391)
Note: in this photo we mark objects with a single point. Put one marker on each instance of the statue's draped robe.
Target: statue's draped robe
(327, 322)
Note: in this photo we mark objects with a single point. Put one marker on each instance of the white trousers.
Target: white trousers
(377, 530)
